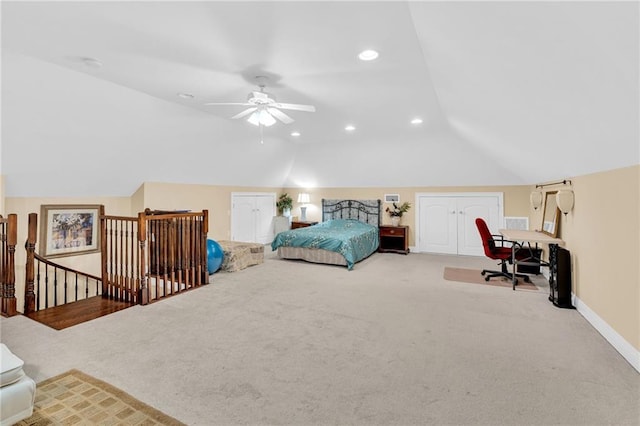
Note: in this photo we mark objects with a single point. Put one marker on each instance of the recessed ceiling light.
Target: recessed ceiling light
(350, 128)
(295, 134)
(91, 62)
(185, 95)
(416, 120)
(368, 55)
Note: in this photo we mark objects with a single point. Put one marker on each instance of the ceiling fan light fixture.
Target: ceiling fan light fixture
(368, 55)
(261, 117)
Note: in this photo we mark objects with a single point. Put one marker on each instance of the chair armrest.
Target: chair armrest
(504, 242)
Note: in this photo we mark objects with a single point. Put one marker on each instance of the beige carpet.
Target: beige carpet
(475, 277)
(75, 398)
(390, 343)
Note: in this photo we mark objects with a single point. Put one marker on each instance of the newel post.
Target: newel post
(9, 284)
(203, 247)
(30, 246)
(143, 297)
(103, 253)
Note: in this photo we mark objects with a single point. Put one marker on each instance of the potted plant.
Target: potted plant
(397, 211)
(284, 204)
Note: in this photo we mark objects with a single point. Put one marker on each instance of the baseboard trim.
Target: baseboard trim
(628, 352)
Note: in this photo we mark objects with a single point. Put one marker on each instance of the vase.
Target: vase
(395, 220)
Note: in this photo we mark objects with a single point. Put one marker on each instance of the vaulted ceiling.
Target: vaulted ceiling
(509, 93)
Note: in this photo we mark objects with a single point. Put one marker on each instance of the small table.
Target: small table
(302, 224)
(394, 239)
(529, 237)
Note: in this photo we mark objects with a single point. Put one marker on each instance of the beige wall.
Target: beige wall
(137, 201)
(2, 211)
(89, 263)
(215, 199)
(602, 232)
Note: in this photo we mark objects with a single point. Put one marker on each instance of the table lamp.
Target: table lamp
(303, 198)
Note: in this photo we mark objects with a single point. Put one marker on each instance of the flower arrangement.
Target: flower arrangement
(285, 202)
(398, 210)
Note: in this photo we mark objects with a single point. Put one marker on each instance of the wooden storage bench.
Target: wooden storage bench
(239, 255)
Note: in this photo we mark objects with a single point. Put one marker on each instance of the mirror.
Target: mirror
(551, 214)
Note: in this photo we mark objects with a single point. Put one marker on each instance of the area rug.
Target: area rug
(75, 398)
(473, 276)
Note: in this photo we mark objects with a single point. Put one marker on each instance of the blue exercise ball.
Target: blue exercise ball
(214, 256)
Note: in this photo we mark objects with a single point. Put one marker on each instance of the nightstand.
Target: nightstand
(394, 239)
(299, 224)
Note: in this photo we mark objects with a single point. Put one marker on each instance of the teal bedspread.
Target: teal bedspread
(351, 238)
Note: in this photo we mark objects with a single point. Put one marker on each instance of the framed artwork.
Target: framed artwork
(69, 229)
(391, 198)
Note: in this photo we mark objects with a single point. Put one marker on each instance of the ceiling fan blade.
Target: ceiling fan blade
(244, 113)
(296, 107)
(228, 103)
(280, 115)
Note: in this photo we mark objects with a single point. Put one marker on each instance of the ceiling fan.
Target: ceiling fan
(263, 107)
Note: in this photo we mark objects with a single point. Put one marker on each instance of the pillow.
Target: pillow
(10, 367)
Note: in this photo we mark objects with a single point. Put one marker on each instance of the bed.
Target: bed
(347, 234)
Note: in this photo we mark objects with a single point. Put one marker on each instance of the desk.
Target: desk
(529, 237)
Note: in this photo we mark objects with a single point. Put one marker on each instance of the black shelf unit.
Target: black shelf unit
(560, 276)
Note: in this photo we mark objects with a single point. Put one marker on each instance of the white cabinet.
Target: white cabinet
(446, 222)
(252, 217)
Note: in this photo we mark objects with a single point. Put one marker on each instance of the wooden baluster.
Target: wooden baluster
(204, 270)
(142, 234)
(171, 252)
(65, 286)
(128, 261)
(182, 253)
(111, 272)
(187, 257)
(103, 252)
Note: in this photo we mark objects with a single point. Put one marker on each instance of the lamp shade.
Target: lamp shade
(304, 198)
(263, 117)
(565, 199)
(536, 199)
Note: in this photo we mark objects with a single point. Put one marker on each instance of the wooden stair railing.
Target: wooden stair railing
(48, 284)
(8, 240)
(144, 258)
(156, 255)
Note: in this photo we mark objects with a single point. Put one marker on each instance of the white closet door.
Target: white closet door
(242, 219)
(447, 223)
(265, 211)
(252, 217)
(470, 208)
(438, 225)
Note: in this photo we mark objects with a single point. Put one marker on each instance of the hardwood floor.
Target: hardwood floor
(70, 314)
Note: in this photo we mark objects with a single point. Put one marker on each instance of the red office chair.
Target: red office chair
(500, 252)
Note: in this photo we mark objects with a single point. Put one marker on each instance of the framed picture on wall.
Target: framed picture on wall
(69, 229)
(391, 198)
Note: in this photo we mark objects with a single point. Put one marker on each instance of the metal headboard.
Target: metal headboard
(367, 211)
